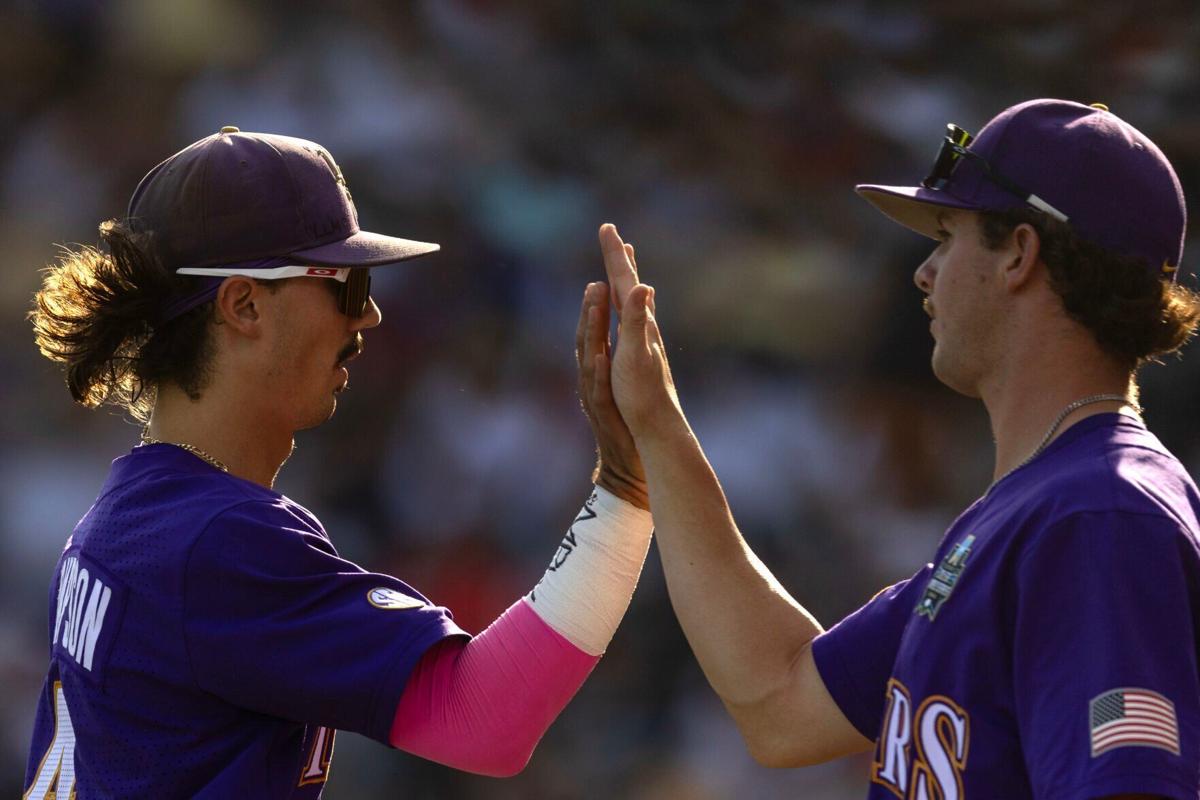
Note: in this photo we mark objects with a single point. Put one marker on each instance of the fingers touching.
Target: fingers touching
(634, 320)
(619, 468)
(581, 329)
(591, 339)
(619, 264)
(638, 321)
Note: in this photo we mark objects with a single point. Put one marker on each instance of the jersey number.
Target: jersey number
(316, 766)
(55, 778)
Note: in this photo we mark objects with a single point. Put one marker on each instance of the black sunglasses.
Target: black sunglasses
(952, 153)
(355, 293)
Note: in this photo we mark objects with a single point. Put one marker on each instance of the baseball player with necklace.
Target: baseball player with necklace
(206, 640)
(1049, 649)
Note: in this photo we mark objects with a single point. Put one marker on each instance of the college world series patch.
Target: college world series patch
(944, 579)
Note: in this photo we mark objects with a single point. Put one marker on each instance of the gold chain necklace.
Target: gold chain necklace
(196, 451)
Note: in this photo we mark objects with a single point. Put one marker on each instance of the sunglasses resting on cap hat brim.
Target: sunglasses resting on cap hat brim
(1079, 164)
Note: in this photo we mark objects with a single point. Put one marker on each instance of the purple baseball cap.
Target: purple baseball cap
(249, 199)
(1080, 163)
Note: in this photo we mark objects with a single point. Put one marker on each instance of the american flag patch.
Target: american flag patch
(1133, 718)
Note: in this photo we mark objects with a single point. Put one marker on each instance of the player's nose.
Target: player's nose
(924, 275)
(370, 318)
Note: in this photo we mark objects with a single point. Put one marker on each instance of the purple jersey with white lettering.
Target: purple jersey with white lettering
(207, 641)
(1050, 650)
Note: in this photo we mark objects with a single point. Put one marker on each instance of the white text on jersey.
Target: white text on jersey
(82, 605)
(925, 750)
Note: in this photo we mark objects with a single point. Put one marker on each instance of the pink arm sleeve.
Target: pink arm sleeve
(482, 705)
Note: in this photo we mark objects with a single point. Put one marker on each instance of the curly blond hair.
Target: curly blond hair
(97, 313)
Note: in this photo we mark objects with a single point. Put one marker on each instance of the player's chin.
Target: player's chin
(953, 375)
(320, 415)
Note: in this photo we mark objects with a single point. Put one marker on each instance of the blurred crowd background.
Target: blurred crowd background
(724, 140)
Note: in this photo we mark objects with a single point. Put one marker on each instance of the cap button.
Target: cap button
(231, 129)
(1099, 106)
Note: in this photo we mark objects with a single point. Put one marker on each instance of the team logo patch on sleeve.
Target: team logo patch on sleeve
(944, 579)
(392, 600)
(1132, 718)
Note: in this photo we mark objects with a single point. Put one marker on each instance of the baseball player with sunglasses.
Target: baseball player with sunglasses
(1050, 647)
(206, 639)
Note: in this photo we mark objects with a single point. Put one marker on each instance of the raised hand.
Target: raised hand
(618, 468)
(640, 376)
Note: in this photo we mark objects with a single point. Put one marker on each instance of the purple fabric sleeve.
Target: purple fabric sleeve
(1107, 603)
(856, 656)
(277, 623)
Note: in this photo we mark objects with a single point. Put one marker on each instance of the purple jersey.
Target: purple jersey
(207, 641)
(1050, 650)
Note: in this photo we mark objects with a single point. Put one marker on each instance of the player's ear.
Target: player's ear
(1023, 250)
(237, 305)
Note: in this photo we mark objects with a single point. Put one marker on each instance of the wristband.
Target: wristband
(590, 580)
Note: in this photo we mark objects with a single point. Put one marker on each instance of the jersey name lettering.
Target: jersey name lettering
(83, 601)
(921, 755)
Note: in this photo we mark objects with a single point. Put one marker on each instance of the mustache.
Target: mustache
(352, 348)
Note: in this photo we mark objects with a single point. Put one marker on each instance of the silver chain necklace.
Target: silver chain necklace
(1085, 401)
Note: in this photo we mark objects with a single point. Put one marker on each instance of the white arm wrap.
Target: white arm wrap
(587, 588)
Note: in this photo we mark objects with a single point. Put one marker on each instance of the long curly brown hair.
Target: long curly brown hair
(97, 314)
(1135, 312)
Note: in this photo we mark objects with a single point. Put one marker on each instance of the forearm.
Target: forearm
(745, 629)
(590, 579)
(482, 705)
(751, 638)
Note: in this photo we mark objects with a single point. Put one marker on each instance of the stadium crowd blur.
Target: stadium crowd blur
(724, 140)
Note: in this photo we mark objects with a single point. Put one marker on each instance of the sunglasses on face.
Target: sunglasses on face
(353, 294)
(953, 152)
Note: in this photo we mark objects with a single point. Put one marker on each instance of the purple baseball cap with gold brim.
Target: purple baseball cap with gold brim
(238, 198)
(1078, 163)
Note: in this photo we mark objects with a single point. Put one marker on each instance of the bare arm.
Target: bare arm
(751, 638)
